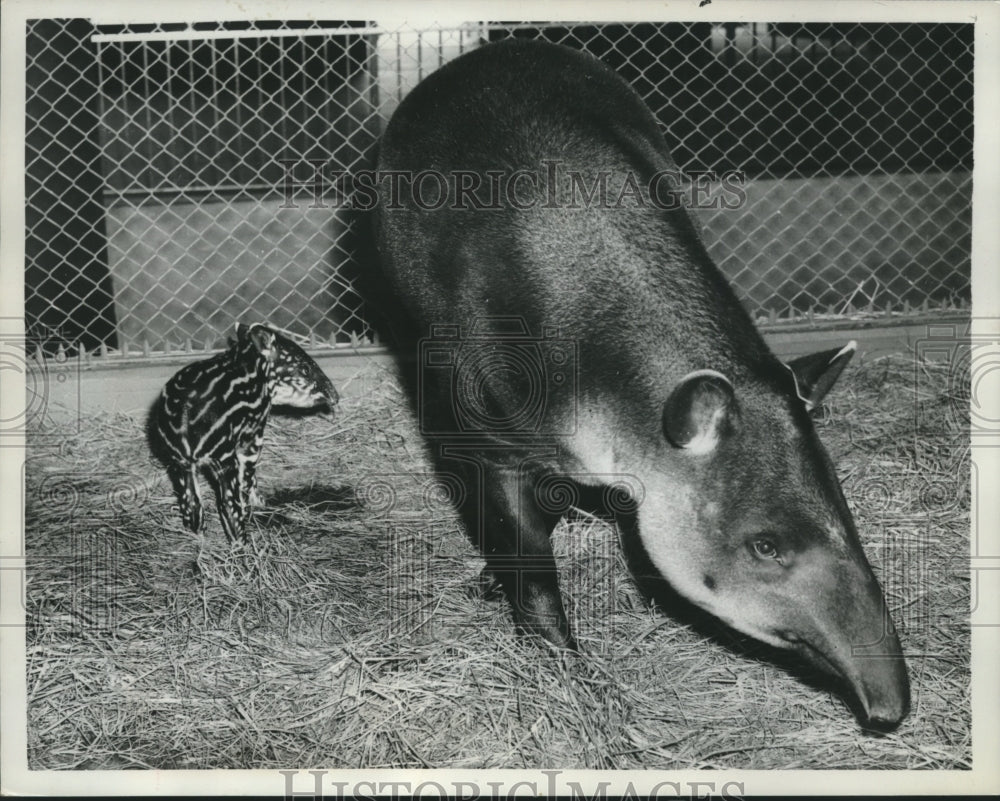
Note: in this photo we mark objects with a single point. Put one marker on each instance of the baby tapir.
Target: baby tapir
(664, 380)
(211, 416)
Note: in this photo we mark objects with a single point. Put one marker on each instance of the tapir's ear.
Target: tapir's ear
(262, 338)
(816, 373)
(700, 411)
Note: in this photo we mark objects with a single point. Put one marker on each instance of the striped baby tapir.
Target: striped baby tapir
(211, 415)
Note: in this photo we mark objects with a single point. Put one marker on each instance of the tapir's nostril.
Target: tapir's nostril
(886, 714)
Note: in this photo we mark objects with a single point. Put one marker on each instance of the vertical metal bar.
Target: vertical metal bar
(282, 88)
(148, 115)
(104, 141)
(304, 125)
(213, 140)
(171, 109)
(238, 109)
(399, 67)
(327, 100)
(123, 110)
(373, 93)
(250, 102)
(102, 105)
(420, 56)
(293, 134)
(193, 124)
(258, 108)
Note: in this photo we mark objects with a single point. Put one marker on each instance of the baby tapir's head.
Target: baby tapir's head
(297, 381)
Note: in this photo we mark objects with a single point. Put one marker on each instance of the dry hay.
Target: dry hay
(348, 634)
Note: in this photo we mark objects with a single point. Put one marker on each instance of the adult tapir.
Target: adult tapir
(663, 377)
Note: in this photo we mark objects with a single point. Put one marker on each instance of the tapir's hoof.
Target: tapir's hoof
(557, 640)
(487, 587)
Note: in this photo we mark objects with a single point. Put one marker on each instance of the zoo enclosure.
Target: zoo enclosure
(159, 160)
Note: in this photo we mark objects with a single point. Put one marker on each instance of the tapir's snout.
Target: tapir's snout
(862, 648)
(325, 401)
(885, 720)
(875, 666)
(875, 674)
(882, 687)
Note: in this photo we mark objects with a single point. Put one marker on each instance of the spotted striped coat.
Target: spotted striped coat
(211, 415)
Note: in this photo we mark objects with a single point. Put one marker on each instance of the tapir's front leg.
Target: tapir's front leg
(518, 552)
(184, 479)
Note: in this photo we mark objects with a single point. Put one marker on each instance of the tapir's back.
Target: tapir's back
(604, 269)
(506, 105)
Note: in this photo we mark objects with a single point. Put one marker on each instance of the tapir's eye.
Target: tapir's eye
(765, 549)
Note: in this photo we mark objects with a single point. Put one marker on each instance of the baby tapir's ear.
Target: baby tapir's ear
(262, 338)
(700, 411)
(816, 373)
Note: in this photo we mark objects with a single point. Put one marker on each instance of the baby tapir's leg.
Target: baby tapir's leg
(225, 477)
(185, 481)
(248, 479)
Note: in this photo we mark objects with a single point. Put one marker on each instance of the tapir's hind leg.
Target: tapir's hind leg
(513, 533)
(184, 479)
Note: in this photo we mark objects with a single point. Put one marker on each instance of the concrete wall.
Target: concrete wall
(815, 241)
(188, 271)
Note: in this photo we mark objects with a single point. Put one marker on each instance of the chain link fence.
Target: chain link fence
(170, 182)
